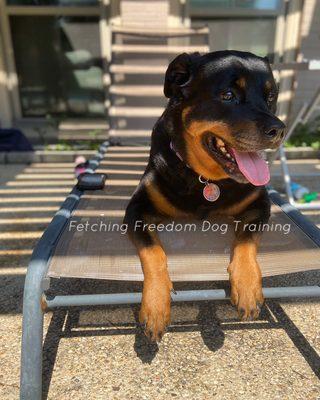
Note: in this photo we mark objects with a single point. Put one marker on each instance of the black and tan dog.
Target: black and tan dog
(220, 115)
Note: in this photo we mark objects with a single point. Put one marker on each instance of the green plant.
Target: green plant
(306, 135)
(62, 145)
(94, 133)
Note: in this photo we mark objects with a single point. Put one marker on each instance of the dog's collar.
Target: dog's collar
(178, 154)
(211, 191)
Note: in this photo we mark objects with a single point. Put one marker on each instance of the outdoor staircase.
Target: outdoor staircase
(142, 46)
(140, 56)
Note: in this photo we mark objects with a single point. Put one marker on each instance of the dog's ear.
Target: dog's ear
(179, 74)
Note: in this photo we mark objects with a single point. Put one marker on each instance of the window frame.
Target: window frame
(101, 10)
(53, 10)
(234, 12)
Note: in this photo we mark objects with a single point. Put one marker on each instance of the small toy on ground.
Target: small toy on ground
(303, 194)
(81, 164)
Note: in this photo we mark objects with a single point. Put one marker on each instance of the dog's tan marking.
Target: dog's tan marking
(155, 305)
(161, 203)
(268, 85)
(197, 128)
(197, 157)
(154, 259)
(43, 303)
(245, 278)
(242, 205)
(185, 113)
(241, 82)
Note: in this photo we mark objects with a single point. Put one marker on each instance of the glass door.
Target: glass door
(58, 59)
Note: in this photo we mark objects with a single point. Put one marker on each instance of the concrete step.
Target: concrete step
(130, 133)
(78, 125)
(83, 136)
(160, 32)
(115, 111)
(137, 90)
(156, 49)
(138, 69)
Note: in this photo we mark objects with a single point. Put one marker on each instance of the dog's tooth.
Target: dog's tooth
(228, 155)
(220, 143)
(262, 154)
(223, 149)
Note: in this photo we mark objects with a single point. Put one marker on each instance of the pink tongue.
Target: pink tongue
(253, 167)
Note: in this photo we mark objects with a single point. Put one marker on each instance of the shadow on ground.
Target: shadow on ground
(207, 320)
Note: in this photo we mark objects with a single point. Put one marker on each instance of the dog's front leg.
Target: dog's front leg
(155, 306)
(244, 270)
(245, 278)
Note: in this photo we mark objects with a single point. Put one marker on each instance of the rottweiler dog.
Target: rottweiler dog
(205, 160)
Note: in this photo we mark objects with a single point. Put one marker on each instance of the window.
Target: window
(247, 25)
(234, 4)
(255, 35)
(59, 65)
(52, 2)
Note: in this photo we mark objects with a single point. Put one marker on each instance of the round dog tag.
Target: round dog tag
(211, 192)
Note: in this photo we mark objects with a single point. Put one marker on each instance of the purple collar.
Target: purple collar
(178, 154)
(211, 191)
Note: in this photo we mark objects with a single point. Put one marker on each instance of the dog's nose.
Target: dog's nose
(276, 130)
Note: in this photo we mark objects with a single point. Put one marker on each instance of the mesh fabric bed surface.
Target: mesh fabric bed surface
(104, 252)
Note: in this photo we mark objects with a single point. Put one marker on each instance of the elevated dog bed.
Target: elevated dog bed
(94, 244)
(76, 244)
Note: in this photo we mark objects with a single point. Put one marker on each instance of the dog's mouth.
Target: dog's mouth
(241, 166)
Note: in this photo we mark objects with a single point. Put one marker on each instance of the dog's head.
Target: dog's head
(225, 102)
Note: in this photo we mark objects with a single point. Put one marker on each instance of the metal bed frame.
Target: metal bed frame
(303, 115)
(35, 302)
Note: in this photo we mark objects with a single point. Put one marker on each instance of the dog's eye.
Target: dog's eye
(227, 96)
(271, 97)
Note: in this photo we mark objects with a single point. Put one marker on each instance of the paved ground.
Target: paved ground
(99, 354)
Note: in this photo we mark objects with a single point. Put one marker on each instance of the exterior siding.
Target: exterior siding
(308, 82)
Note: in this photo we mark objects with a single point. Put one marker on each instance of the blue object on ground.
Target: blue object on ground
(298, 190)
(14, 140)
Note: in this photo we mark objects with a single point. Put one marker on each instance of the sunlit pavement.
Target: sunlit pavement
(99, 354)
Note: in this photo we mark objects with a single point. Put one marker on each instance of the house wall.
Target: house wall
(5, 113)
(308, 82)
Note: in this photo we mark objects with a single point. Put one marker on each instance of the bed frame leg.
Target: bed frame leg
(32, 333)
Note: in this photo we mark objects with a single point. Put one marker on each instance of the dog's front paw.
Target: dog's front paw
(246, 291)
(155, 308)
